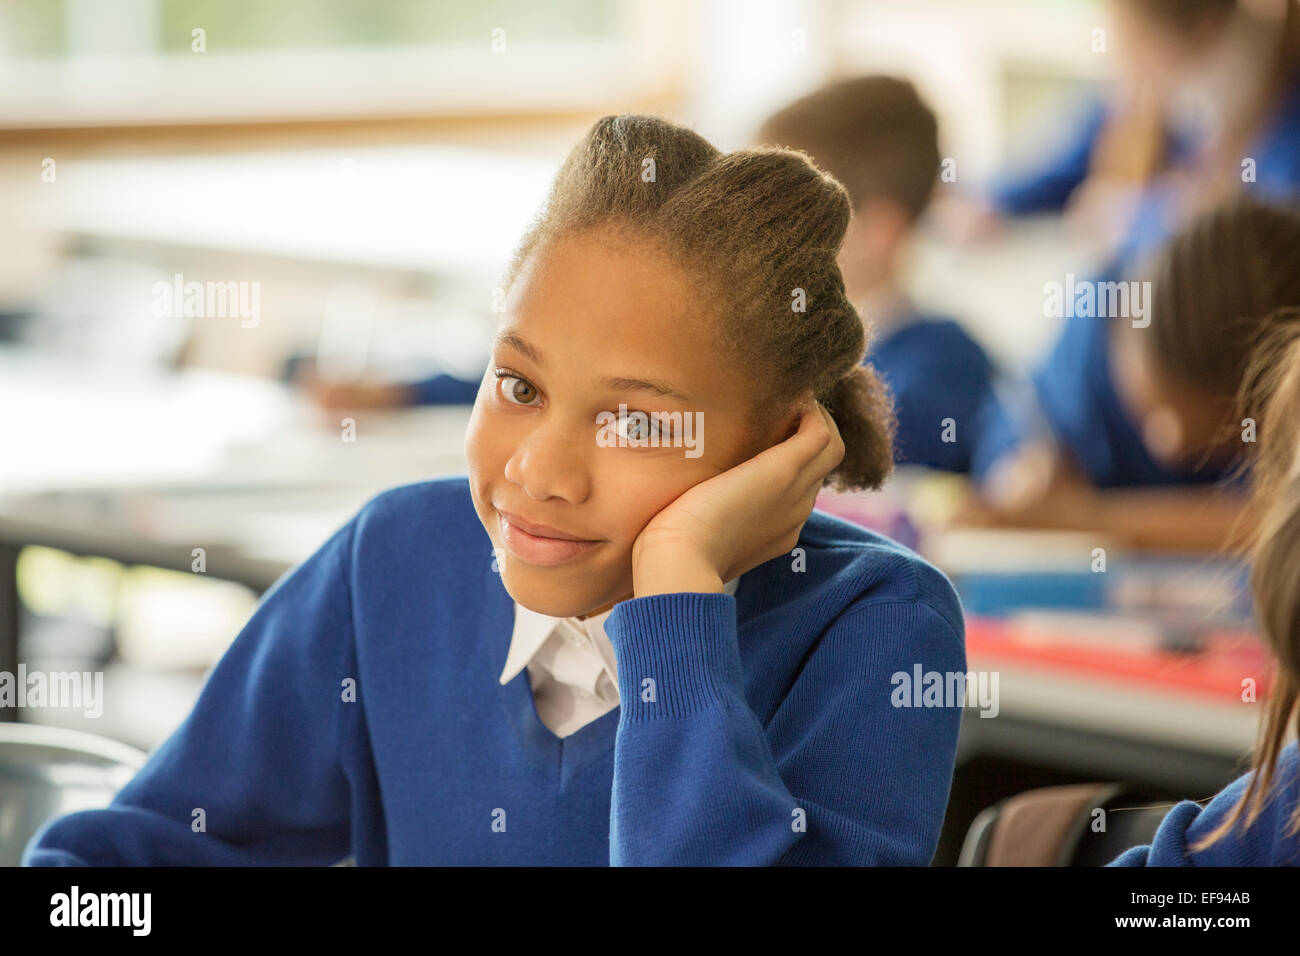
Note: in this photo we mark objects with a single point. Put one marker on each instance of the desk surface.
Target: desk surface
(1122, 709)
(148, 467)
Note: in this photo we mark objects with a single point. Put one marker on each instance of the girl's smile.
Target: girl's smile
(544, 550)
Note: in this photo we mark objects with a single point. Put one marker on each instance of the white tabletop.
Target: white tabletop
(439, 209)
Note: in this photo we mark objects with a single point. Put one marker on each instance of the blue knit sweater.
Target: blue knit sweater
(1266, 842)
(359, 713)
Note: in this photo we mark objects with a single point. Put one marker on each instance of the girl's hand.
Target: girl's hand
(734, 521)
(1035, 487)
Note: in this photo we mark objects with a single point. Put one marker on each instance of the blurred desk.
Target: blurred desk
(1108, 729)
(1131, 672)
(1055, 728)
(145, 469)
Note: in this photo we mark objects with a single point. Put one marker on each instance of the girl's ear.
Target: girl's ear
(790, 423)
(781, 428)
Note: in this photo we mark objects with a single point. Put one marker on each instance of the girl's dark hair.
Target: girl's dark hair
(759, 229)
(1212, 285)
(873, 133)
(1271, 394)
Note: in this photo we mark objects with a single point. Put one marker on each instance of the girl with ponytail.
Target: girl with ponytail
(1255, 821)
(625, 636)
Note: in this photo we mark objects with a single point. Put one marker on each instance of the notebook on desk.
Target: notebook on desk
(1225, 663)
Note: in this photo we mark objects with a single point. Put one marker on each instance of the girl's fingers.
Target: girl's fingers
(810, 442)
(812, 477)
(799, 465)
(829, 453)
(802, 462)
(834, 451)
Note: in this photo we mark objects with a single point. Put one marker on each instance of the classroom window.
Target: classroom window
(100, 62)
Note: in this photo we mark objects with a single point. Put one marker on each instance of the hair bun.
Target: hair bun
(863, 410)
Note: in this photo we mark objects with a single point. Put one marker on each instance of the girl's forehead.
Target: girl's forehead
(614, 261)
(620, 303)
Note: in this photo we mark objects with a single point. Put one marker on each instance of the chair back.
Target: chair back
(46, 772)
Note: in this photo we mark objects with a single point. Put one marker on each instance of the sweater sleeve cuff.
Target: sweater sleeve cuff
(677, 653)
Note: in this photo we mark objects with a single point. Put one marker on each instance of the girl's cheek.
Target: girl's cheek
(473, 442)
(488, 446)
(652, 484)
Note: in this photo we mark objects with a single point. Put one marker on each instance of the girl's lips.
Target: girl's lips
(533, 549)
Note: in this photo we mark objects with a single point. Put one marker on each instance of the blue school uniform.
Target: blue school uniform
(1264, 843)
(1071, 401)
(940, 379)
(1076, 393)
(1073, 385)
(1047, 187)
(360, 712)
(1275, 158)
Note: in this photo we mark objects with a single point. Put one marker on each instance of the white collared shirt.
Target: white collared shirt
(571, 665)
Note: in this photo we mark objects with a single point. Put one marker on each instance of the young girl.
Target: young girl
(1255, 821)
(717, 674)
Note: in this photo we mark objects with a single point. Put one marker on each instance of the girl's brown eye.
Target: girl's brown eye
(518, 391)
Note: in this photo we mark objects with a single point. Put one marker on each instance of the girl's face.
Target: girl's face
(1180, 425)
(593, 321)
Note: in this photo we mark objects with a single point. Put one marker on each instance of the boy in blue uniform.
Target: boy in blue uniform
(441, 389)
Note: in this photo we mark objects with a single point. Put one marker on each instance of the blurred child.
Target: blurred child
(877, 137)
(1222, 83)
(1206, 104)
(1174, 385)
(1255, 821)
(441, 389)
(595, 648)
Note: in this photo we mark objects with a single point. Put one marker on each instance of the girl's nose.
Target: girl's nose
(550, 461)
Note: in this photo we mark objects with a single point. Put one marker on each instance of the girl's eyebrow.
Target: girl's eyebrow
(617, 383)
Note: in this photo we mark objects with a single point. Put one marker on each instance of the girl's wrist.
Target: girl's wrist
(664, 571)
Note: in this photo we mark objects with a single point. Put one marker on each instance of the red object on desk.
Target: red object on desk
(1216, 671)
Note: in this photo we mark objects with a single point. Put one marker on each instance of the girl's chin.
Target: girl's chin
(537, 589)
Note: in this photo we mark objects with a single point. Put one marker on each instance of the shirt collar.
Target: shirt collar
(532, 630)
